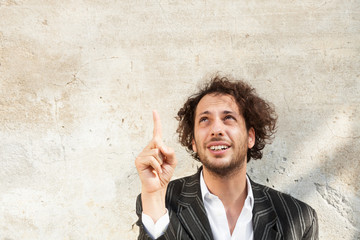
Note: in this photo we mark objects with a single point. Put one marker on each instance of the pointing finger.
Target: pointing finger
(157, 133)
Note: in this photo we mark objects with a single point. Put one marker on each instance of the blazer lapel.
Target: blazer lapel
(191, 210)
(192, 214)
(264, 217)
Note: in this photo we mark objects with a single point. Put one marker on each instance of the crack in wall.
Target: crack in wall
(338, 201)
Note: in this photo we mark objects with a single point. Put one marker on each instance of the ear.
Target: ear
(251, 137)
(193, 145)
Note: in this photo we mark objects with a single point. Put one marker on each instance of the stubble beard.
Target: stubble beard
(225, 171)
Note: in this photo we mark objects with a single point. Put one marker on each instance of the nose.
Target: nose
(217, 128)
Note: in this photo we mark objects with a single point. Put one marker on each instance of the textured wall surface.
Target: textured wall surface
(78, 81)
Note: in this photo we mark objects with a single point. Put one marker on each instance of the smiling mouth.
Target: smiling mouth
(219, 147)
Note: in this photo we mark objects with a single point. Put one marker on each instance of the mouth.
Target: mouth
(219, 147)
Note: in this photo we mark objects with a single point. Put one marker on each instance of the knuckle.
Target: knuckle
(138, 162)
(153, 160)
(154, 163)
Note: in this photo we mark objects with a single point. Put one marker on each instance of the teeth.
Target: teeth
(218, 147)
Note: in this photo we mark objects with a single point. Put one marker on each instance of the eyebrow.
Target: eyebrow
(204, 113)
(224, 112)
(227, 112)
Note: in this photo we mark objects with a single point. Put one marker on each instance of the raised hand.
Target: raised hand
(155, 165)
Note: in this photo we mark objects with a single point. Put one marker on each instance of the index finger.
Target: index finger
(157, 133)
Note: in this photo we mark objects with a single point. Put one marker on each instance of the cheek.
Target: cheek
(202, 135)
(236, 135)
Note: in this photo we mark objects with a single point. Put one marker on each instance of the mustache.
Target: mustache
(217, 139)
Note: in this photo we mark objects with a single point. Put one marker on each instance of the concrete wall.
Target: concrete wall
(78, 81)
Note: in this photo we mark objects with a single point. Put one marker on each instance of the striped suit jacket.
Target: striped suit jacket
(275, 215)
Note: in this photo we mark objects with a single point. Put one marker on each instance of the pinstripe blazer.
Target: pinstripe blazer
(275, 215)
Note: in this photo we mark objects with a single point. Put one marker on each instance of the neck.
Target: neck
(231, 189)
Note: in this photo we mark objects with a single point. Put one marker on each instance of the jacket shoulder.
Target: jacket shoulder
(280, 198)
(295, 218)
(181, 187)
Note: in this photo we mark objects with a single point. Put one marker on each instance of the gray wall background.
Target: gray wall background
(78, 81)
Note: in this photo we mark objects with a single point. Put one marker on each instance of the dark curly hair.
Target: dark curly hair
(258, 113)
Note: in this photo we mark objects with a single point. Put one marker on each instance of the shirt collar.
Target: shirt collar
(249, 200)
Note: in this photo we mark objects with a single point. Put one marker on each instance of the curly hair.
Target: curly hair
(258, 113)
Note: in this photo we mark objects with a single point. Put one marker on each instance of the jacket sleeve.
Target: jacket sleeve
(313, 231)
(173, 231)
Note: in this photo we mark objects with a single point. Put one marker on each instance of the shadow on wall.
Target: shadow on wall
(322, 159)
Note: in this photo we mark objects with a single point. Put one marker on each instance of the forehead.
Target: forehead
(213, 102)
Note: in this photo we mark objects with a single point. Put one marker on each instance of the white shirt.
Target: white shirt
(216, 214)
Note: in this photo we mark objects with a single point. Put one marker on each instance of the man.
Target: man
(223, 126)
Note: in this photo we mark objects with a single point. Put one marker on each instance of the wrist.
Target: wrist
(153, 204)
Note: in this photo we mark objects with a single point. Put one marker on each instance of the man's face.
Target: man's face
(220, 136)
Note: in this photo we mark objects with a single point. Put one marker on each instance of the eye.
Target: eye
(203, 119)
(229, 117)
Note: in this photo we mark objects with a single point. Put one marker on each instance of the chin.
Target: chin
(224, 169)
